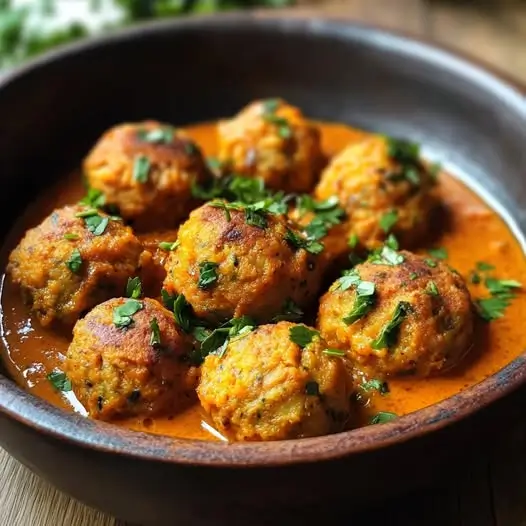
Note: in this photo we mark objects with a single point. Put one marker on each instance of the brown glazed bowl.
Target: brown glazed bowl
(195, 69)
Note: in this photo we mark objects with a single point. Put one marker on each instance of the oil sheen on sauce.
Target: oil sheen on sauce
(474, 233)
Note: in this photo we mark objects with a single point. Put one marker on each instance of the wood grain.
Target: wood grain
(492, 491)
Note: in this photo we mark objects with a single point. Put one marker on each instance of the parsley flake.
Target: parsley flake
(94, 198)
(141, 168)
(289, 312)
(389, 333)
(96, 224)
(364, 302)
(71, 237)
(74, 263)
(483, 266)
(182, 312)
(123, 314)
(430, 262)
(438, 253)
(207, 274)
(134, 288)
(155, 336)
(283, 126)
(432, 289)
(388, 220)
(383, 417)
(334, 352)
(298, 242)
(168, 246)
(353, 241)
(375, 385)
(386, 256)
(59, 381)
(301, 335)
(490, 309)
(163, 135)
(255, 217)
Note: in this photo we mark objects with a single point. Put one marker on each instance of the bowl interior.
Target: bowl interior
(202, 69)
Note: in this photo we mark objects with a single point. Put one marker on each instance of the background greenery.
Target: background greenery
(29, 27)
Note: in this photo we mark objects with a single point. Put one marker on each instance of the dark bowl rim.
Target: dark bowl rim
(75, 430)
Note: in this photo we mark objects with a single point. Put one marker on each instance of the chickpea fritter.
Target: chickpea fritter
(226, 266)
(383, 187)
(128, 358)
(266, 387)
(146, 170)
(68, 264)
(412, 316)
(272, 140)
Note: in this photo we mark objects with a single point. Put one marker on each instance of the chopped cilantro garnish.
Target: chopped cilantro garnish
(283, 126)
(74, 263)
(271, 105)
(134, 288)
(254, 217)
(413, 276)
(297, 241)
(392, 242)
(96, 224)
(301, 335)
(375, 385)
(388, 220)
(182, 312)
(386, 256)
(155, 336)
(389, 333)
(123, 314)
(334, 352)
(501, 286)
(483, 266)
(141, 168)
(207, 274)
(474, 277)
(432, 289)
(71, 237)
(438, 253)
(353, 241)
(430, 262)
(162, 135)
(383, 417)
(364, 302)
(490, 309)
(168, 246)
(348, 279)
(59, 381)
(94, 198)
(403, 151)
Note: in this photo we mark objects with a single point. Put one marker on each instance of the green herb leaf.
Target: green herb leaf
(430, 263)
(271, 105)
(163, 135)
(375, 385)
(302, 335)
(431, 288)
(60, 381)
(289, 312)
(71, 237)
(255, 218)
(155, 336)
(134, 288)
(94, 198)
(89, 212)
(141, 168)
(392, 243)
(283, 126)
(500, 287)
(207, 274)
(334, 352)
(247, 190)
(389, 333)
(167, 299)
(298, 242)
(74, 263)
(241, 326)
(474, 277)
(123, 314)
(383, 417)
(483, 266)
(386, 256)
(438, 253)
(388, 220)
(182, 312)
(316, 229)
(312, 388)
(210, 190)
(403, 151)
(364, 302)
(413, 276)
(168, 246)
(96, 224)
(490, 309)
(349, 278)
(353, 241)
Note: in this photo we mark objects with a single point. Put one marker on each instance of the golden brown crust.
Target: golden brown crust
(117, 372)
(165, 198)
(360, 176)
(434, 335)
(251, 145)
(266, 387)
(258, 270)
(56, 293)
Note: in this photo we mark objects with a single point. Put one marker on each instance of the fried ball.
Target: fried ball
(266, 387)
(272, 140)
(146, 170)
(226, 267)
(417, 318)
(383, 187)
(157, 246)
(128, 358)
(68, 264)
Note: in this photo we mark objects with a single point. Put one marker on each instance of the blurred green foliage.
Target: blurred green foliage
(19, 39)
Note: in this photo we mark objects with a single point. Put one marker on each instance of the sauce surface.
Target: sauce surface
(474, 233)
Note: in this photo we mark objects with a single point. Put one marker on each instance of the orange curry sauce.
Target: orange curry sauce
(476, 233)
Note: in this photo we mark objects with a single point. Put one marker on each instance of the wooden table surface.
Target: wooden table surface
(492, 491)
